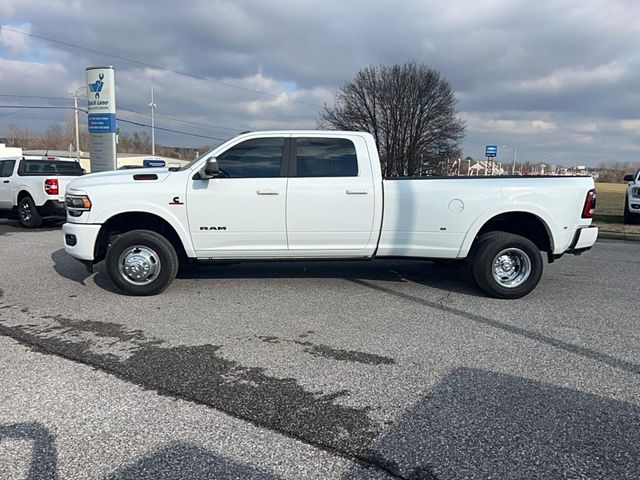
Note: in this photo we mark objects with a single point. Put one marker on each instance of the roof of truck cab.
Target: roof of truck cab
(49, 157)
(303, 132)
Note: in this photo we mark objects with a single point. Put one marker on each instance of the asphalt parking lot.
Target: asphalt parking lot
(317, 370)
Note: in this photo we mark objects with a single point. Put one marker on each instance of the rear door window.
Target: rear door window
(326, 157)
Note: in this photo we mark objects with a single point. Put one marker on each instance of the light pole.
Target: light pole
(152, 106)
(515, 156)
(75, 107)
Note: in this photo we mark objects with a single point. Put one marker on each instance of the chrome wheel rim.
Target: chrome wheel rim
(139, 265)
(511, 267)
(25, 211)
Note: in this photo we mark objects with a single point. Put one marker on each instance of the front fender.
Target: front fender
(176, 216)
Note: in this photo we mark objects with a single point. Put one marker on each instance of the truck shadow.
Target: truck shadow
(67, 267)
(10, 225)
(448, 277)
(481, 424)
(442, 276)
(71, 269)
(472, 424)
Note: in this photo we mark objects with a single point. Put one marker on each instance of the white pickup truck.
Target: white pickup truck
(289, 195)
(34, 186)
(632, 199)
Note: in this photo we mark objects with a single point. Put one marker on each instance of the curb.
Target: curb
(629, 237)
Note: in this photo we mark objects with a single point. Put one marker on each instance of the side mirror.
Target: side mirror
(628, 178)
(209, 171)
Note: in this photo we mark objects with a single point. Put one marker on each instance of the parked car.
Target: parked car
(33, 187)
(632, 199)
(320, 195)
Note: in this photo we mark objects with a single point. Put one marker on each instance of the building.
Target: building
(486, 168)
(123, 159)
(9, 151)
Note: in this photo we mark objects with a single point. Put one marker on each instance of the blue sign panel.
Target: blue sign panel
(490, 150)
(443, 150)
(153, 162)
(102, 122)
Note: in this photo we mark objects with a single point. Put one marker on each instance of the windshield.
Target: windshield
(35, 168)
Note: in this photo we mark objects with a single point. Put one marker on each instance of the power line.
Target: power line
(155, 67)
(23, 109)
(168, 118)
(178, 120)
(28, 107)
(171, 130)
(140, 124)
(43, 97)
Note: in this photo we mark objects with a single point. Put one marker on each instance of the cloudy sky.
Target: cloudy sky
(558, 80)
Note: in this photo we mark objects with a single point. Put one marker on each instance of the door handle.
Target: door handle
(6, 181)
(357, 191)
(268, 192)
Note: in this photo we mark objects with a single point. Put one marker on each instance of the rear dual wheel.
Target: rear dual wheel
(505, 265)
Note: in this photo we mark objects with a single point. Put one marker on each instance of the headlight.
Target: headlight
(76, 204)
(635, 192)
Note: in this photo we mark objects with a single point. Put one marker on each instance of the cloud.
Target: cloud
(12, 42)
(552, 77)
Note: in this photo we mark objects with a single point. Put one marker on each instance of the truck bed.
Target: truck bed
(431, 216)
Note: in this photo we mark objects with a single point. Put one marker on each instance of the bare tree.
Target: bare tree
(54, 138)
(614, 171)
(410, 109)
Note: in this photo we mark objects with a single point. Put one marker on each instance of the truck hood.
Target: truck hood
(119, 177)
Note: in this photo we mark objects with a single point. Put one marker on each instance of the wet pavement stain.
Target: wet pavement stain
(269, 339)
(320, 350)
(201, 374)
(345, 355)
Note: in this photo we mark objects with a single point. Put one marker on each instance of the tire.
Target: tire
(519, 270)
(152, 263)
(28, 213)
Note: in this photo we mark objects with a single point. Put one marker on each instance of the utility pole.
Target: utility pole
(515, 155)
(152, 106)
(75, 108)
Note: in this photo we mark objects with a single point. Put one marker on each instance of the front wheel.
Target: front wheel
(141, 262)
(505, 265)
(28, 213)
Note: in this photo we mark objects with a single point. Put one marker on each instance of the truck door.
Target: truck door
(6, 171)
(241, 213)
(330, 197)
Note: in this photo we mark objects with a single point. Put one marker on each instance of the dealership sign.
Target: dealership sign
(101, 107)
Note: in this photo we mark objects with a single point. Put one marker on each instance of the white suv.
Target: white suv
(34, 186)
(632, 199)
